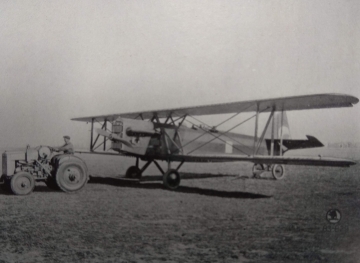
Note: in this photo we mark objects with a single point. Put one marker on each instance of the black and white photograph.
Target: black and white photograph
(198, 131)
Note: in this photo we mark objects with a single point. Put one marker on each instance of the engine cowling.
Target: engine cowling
(14, 161)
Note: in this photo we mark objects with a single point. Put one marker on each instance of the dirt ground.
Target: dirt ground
(216, 215)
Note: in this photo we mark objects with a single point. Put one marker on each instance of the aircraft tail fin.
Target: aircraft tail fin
(282, 129)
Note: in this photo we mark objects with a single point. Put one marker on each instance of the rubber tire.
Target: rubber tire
(6, 185)
(278, 171)
(22, 183)
(258, 169)
(65, 176)
(51, 183)
(133, 172)
(171, 182)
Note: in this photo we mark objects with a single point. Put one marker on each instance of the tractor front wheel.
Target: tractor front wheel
(51, 183)
(5, 186)
(22, 183)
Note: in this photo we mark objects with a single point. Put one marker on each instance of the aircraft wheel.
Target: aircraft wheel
(22, 183)
(258, 169)
(171, 179)
(71, 176)
(133, 172)
(278, 171)
(51, 183)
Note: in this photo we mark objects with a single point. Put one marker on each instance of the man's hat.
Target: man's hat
(67, 137)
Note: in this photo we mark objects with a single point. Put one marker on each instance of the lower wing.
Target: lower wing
(294, 160)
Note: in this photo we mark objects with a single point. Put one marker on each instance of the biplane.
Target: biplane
(162, 135)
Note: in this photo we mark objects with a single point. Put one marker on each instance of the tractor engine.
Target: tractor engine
(20, 170)
(35, 161)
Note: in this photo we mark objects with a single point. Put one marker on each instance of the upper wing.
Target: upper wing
(307, 102)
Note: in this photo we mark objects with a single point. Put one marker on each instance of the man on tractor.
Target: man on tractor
(67, 148)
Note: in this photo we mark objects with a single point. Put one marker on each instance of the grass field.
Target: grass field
(216, 215)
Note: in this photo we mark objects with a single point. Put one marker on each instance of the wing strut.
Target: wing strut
(264, 131)
(217, 137)
(223, 134)
(92, 142)
(256, 126)
(92, 135)
(281, 132)
(272, 135)
(97, 137)
(105, 126)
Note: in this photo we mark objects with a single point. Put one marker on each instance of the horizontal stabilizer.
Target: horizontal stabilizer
(311, 142)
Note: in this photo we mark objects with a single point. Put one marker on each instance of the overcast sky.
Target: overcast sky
(65, 59)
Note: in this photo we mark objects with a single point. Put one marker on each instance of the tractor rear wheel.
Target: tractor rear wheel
(22, 183)
(171, 179)
(71, 176)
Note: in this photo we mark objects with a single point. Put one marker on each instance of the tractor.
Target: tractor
(21, 169)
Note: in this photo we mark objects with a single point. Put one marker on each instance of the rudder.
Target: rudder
(278, 131)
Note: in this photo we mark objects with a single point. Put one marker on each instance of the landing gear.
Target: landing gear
(278, 171)
(133, 172)
(22, 183)
(171, 179)
(258, 169)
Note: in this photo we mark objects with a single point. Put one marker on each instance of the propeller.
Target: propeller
(113, 137)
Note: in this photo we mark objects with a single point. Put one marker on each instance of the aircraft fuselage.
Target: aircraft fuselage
(159, 140)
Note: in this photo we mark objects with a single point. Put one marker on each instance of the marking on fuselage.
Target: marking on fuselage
(229, 147)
